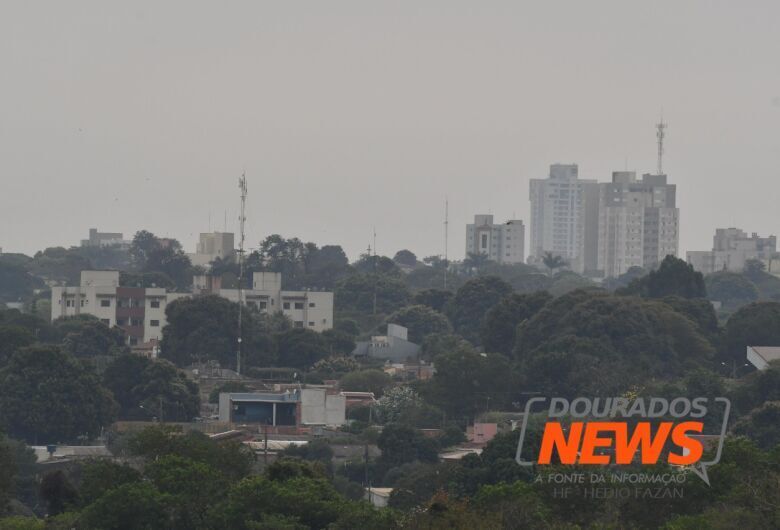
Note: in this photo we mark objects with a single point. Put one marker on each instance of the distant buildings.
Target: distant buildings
(731, 248)
(502, 243)
(140, 311)
(211, 246)
(564, 217)
(391, 347)
(638, 222)
(104, 239)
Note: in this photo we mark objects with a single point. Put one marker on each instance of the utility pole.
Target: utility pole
(241, 221)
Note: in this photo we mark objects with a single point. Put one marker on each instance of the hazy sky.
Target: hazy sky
(351, 114)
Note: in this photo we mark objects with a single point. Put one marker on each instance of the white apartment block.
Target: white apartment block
(502, 243)
(211, 246)
(307, 309)
(140, 312)
(731, 248)
(638, 222)
(564, 217)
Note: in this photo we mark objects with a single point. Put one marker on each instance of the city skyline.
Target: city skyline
(341, 112)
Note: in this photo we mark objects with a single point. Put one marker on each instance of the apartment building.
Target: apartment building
(564, 217)
(104, 239)
(213, 245)
(638, 222)
(307, 309)
(502, 243)
(140, 312)
(731, 248)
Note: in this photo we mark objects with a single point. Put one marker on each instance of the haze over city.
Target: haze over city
(349, 115)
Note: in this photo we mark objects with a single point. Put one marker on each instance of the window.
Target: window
(311, 324)
(82, 303)
(286, 305)
(154, 323)
(311, 304)
(298, 305)
(133, 341)
(135, 322)
(298, 323)
(121, 321)
(483, 244)
(263, 305)
(324, 321)
(154, 304)
(69, 303)
(105, 303)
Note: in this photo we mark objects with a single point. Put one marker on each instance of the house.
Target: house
(761, 356)
(394, 346)
(290, 412)
(379, 497)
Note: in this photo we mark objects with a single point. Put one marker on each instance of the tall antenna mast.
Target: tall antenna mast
(446, 237)
(660, 134)
(241, 221)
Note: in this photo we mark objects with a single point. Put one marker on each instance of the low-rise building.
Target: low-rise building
(140, 311)
(393, 347)
(104, 239)
(761, 356)
(290, 411)
(731, 249)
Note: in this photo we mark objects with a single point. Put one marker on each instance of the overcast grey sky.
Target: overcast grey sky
(352, 114)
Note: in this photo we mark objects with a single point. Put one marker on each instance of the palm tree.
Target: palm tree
(553, 261)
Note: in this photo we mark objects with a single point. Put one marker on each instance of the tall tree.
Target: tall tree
(674, 277)
(472, 301)
(553, 261)
(49, 396)
(420, 321)
(500, 325)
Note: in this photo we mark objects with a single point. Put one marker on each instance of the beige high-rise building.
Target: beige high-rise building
(638, 222)
(564, 217)
(213, 245)
(502, 243)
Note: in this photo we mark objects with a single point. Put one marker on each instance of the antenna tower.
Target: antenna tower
(446, 238)
(660, 134)
(241, 221)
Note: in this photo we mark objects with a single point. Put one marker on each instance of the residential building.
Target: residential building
(394, 346)
(292, 411)
(140, 311)
(638, 222)
(211, 246)
(731, 248)
(104, 239)
(564, 217)
(307, 309)
(761, 356)
(502, 243)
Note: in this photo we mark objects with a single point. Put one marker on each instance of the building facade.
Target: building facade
(638, 222)
(502, 243)
(211, 246)
(731, 248)
(289, 411)
(104, 239)
(140, 312)
(564, 217)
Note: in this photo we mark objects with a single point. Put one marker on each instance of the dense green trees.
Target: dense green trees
(48, 396)
(596, 344)
(674, 277)
(375, 381)
(359, 292)
(420, 322)
(146, 388)
(301, 348)
(150, 254)
(756, 324)
(472, 301)
(406, 258)
(730, 288)
(303, 265)
(501, 321)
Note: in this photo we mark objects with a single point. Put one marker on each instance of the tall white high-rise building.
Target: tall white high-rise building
(564, 217)
(638, 222)
(502, 243)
